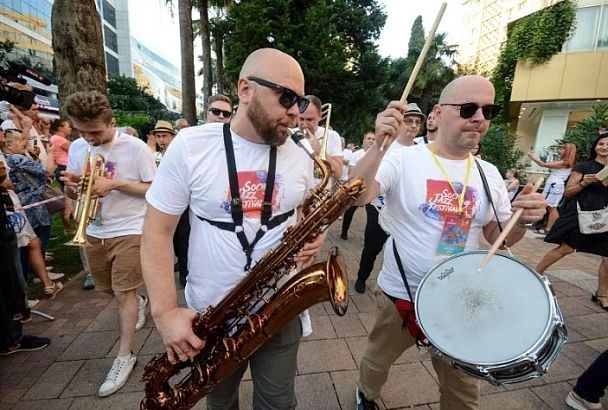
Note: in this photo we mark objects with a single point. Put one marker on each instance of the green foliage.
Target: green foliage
(585, 132)
(533, 39)
(417, 38)
(332, 40)
(133, 120)
(499, 148)
(127, 97)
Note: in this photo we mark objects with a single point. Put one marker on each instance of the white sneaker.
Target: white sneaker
(141, 311)
(52, 275)
(117, 376)
(576, 402)
(32, 302)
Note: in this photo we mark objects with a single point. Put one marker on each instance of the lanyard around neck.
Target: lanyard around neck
(449, 181)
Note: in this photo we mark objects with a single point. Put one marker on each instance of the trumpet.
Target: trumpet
(86, 206)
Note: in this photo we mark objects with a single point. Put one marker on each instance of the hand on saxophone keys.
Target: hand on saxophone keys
(388, 123)
(175, 328)
(307, 255)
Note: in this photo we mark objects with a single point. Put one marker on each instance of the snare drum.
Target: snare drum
(502, 324)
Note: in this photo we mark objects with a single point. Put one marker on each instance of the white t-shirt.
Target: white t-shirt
(418, 196)
(334, 142)
(194, 173)
(347, 155)
(127, 159)
(357, 155)
(380, 200)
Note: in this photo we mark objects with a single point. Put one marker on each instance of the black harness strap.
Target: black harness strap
(236, 205)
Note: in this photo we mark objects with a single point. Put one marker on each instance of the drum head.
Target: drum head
(488, 317)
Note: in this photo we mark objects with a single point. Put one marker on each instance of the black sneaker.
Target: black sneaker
(364, 404)
(27, 344)
(344, 236)
(360, 286)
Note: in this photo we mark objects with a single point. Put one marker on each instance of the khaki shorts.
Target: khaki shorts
(115, 263)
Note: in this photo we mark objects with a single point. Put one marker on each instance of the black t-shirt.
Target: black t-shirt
(595, 195)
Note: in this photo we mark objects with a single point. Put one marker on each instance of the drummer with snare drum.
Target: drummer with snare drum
(437, 206)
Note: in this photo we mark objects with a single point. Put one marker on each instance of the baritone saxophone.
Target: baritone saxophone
(260, 305)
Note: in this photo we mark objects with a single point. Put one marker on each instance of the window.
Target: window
(110, 39)
(112, 65)
(109, 13)
(591, 31)
(602, 38)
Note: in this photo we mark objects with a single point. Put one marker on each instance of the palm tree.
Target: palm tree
(78, 48)
(212, 32)
(184, 8)
(204, 32)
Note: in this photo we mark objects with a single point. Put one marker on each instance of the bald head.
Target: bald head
(274, 65)
(458, 89)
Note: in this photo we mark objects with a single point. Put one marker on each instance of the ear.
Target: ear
(245, 91)
(437, 112)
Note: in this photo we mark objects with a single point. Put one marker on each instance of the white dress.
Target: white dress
(554, 187)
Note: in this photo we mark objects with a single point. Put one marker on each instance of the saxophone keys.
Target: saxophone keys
(231, 347)
(256, 323)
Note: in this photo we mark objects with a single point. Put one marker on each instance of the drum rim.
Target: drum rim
(528, 354)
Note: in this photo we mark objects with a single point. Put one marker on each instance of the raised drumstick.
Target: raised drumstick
(421, 57)
(505, 231)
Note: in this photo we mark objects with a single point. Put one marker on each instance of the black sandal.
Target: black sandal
(596, 299)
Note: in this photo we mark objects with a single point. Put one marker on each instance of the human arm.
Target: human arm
(513, 185)
(534, 206)
(173, 323)
(102, 187)
(577, 182)
(388, 123)
(551, 165)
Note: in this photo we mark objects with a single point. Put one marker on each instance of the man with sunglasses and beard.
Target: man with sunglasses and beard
(430, 188)
(243, 182)
(220, 109)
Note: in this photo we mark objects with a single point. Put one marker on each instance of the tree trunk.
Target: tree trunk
(219, 61)
(78, 44)
(184, 9)
(203, 6)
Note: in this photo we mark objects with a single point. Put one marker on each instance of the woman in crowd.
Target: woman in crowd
(27, 181)
(512, 183)
(554, 186)
(584, 189)
(60, 141)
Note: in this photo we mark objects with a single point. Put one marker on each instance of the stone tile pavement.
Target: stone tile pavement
(84, 335)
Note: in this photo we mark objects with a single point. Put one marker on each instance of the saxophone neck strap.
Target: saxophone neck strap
(236, 205)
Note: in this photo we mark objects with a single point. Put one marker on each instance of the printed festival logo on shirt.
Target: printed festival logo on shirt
(442, 201)
(252, 186)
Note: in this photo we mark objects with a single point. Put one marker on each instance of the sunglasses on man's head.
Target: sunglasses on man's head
(467, 110)
(287, 98)
(217, 112)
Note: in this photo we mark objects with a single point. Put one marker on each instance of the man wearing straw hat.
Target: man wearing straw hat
(428, 188)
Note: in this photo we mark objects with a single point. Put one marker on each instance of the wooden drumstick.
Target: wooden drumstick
(421, 57)
(506, 231)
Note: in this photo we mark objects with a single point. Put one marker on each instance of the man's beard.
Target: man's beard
(429, 129)
(259, 119)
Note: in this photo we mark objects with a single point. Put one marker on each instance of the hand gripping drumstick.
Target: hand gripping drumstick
(421, 57)
(505, 232)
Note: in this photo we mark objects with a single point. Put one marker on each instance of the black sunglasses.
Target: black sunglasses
(467, 110)
(288, 97)
(217, 112)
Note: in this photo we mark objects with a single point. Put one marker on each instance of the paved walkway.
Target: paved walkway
(84, 342)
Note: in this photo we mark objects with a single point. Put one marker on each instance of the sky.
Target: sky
(152, 24)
